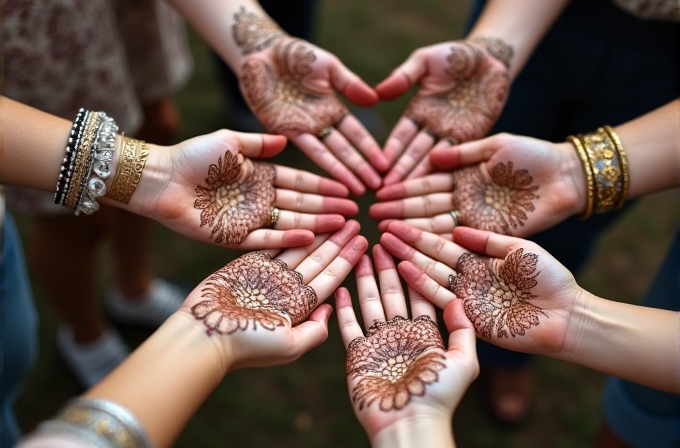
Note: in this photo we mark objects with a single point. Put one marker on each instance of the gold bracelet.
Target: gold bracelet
(131, 162)
(79, 169)
(623, 162)
(607, 169)
(590, 180)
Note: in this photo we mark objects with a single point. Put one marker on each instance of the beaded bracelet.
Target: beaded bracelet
(98, 422)
(72, 147)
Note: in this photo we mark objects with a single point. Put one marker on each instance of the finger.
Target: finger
(263, 239)
(322, 156)
(352, 87)
(330, 278)
(434, 183)
(256, 145)
(345, 152)
(428, 243)
(487, 243)
(402, 78)
(421, 282)
(462, 338)
(470, 153)
(314, 331)
(369, 295)
(357, 134)
(314, 203)
(320, 257)
(420, 306)
(391, 292)
(425, 167)
(420, 206)
(440, 224)
(306, 182)
(435, 269)
(293, 257)
(416, 150)
(402, 134)
(316, 223)
(347, 319)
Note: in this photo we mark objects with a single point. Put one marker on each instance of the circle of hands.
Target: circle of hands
(268, 307)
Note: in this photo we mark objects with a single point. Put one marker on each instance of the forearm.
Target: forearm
(415, 432)
(632, 342)
(167, 378)
(652, 145)
(215, 20)
(519, 23)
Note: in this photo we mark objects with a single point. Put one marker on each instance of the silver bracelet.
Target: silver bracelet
(101, 423)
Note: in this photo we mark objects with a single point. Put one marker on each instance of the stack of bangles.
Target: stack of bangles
(90, 149)
(606, 169)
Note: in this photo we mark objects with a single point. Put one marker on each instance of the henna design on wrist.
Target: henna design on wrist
(238, 197)
(497, 205)
(280, 99)
(396, 360)
(254, 288)
(472, 100)
(254, 33)
(496, 292)
(497, 48)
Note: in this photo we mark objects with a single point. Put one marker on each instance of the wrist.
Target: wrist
(581, 326)
(420, 430)
(572, 170)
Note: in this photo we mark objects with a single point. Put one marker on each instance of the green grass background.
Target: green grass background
(306, 404)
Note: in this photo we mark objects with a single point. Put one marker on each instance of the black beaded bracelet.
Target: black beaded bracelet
(76, 129)
(74, 156)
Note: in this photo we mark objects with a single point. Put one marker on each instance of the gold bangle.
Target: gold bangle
(590, 180)
(623, 162)
(604, 158)
(131, 162)
(79, 170)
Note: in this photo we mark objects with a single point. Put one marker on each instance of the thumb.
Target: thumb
(260, 145)
(402, 78)
(351, 86)
(464, 154)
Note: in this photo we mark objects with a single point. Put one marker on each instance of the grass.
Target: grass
(306, 404)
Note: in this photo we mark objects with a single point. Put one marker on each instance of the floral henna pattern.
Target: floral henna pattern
(238, 197)
(498, 205)
(498, 48)
(396, 360)
(254, 288)
(472, 100)
(254, 33)
(279, 97)
(495, 293)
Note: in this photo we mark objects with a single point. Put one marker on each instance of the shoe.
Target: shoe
(161, 301)
(91, 362)
(510, 394)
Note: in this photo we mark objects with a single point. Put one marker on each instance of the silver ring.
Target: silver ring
(455, 214)
(325, 133)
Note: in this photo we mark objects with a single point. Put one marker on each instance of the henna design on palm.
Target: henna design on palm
(498, 48)
(396, 360)
(280, 98)
(471, 101)
(498, 205)
(254, 288)
(496, 293)
(254, 33)
(238, 197)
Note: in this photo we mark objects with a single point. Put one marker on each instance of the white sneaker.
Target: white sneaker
(162, 299)
(93, 361)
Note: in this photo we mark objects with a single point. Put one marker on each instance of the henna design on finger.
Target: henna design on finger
(496, 293)
(238, 197)
(254, 288)
(466, 108)
(280, 98)
(396, 360)
(498, 205)
(254, 33)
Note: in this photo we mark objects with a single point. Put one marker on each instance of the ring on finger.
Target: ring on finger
(325, 132)
(274, 217)
(455, 214)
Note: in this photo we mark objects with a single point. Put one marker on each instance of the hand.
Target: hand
(262, 312)
(211, 188)
(463, 87)
(290, 86)
(399, 372)
(515, 293)
(511, 185)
